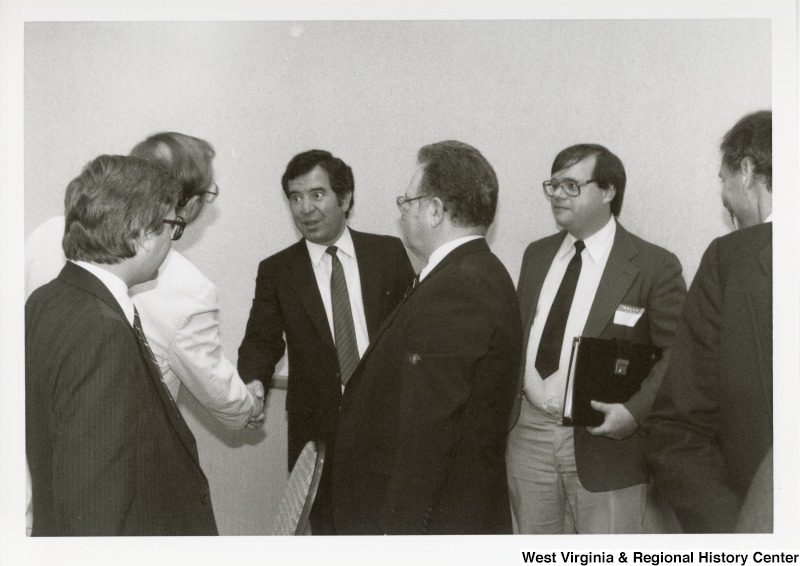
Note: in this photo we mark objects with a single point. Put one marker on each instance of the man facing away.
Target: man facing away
(711, 427)
(108, 450)
(327, 294)
(423, 421)
(594, 278)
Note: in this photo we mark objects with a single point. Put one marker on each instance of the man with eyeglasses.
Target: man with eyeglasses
(179, 309)
(321, 300)
(109, 452)
(711, 429)
(423, 424)
(594, 278)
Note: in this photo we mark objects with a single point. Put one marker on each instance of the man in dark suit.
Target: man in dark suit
(593, 279)
(711, 426)
(109, 452)
(423, 423)
(327, 294)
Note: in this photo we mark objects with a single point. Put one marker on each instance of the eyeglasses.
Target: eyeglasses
(212, 193)
(402, 202)
(570, 187)
(177, 227)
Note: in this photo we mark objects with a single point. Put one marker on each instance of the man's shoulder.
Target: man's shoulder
(287, 254)
(646, 250)
(375, 240)
(547, 244)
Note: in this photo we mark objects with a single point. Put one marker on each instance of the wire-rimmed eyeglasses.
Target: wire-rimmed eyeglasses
(178, 224)
(571, 187)
(403, 201)
(212, 192)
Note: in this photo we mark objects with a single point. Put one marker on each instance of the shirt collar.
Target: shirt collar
(114, 284)
(596, 244)
(439, 253)
(345, 244)
(768, 218)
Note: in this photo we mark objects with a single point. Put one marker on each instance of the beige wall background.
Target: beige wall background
(660, 94)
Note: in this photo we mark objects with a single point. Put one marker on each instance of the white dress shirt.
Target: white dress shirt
(439, 253)
(322, 264)
(548, 394)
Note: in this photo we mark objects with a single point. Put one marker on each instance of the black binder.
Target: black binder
(609, 371)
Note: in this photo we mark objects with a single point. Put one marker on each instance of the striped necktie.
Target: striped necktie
(139, 331)
(343, 327)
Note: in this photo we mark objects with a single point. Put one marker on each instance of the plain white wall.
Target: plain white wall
(660, 94)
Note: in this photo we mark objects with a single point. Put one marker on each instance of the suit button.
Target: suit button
(204, 499)
(338, 376)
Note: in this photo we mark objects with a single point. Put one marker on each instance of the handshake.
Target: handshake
(256, 389)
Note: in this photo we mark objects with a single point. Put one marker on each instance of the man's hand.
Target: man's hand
(618, 422)
(256, 389)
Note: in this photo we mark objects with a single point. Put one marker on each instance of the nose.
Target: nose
(306, 206)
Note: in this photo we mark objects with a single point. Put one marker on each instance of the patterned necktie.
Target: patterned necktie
(549, 353)
(139, 331)
(343, 327)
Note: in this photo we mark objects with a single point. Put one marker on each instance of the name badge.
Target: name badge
(628, 315)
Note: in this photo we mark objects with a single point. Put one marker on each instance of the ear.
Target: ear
(436, 212)
(609, 194)
(346, 201)
(189, 209)
(747, 169)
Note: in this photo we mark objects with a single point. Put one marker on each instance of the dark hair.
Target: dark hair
(112, 202)
(187, 158)
(750, 137)
(608, 169)
(463, 179)
(339, 173)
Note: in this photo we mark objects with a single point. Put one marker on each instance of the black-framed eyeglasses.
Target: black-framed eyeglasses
(212, 192)
(177, 227)
(403, 201)
(570, 187)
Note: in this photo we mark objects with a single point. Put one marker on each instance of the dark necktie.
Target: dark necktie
(549, 353)
(139, 331)
(413, 286)
(343, 328)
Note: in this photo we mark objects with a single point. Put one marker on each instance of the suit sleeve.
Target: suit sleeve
(446, 339)
(683, 427)
(263, 344)
(664, 303)
(197, 359)
(94, 441)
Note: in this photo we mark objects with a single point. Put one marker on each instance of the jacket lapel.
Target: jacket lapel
(370, 273)
(79, 277)
(617, 278)
(529, 297)
(304, 283)
(473, 246)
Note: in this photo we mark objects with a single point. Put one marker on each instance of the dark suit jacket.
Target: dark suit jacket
(711, 425)
(109, 452)
(639, 274)
(287, 300)
(423, 423)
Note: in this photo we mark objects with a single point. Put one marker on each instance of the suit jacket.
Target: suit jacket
(711, 425)
(287, 302)
(638, 274)
(109, 452)
(423, 423)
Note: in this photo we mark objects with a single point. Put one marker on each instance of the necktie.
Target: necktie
(343, 327)
(549, 353)
(413, 286)
(139, 331)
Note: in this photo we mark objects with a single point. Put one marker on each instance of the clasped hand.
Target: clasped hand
(256, 389)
